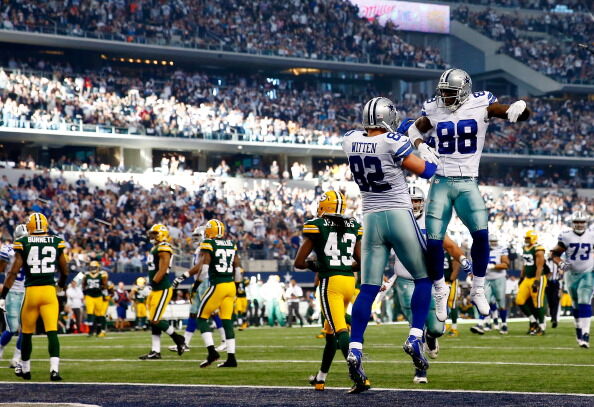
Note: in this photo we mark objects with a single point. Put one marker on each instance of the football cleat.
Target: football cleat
(477, 329)
(101, 334)
(173, 348)
(477, 297)
(55, 376)
(532, 328)
(440, 295)
(317, 384)
(538, 331)
(488, 327)
(18, 370)
(222, 347)
(180, 343)
(360, 388)
(230, 362)
(554, 324)
(152, 355)
(420, 377)
(356, 372)
(25, 375)
(13, 364)
(211, 358)
(503, 330)
(585, 343)
(431, 347)
(414, 348)
(453, 333)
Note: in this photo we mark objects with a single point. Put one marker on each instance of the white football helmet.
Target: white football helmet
(579, 222)
(198, 234)
(417, 196)
(20, 231)
(453, 89)
(380, 113)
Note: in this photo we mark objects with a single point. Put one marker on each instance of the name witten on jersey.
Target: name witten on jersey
(579, 250)
(375, 164)
(459, 136)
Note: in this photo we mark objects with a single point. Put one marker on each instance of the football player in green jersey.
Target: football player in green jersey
(219, 261)
(336, 241)
(158, 299)
(41, 254)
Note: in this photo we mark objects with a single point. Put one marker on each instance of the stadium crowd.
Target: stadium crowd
(547, 53)
(251, 108)
(295, 28)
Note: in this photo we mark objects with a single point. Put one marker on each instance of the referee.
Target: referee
(553, 289)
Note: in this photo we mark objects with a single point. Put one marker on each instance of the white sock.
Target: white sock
(17, 355)
(321, 376)
(532, 319)
(356, 345)
(585, 325)
(54, 364)
(26, 366)
(478, 282)
(480, 322)
(231, 345)
(495, 314)
(156, 346)
(415, 332)
(222, 334)
(207, 338)
(170, 330)
(439, 284)
(188, 337)
(543, 326)
(455, 326)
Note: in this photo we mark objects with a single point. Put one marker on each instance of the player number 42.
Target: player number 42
(42, 265)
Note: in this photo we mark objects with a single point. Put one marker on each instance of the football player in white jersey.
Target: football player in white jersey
(405, 285)
(14, 299)
(578, 269)
(456, 120)
(496, 280)
(377, 157)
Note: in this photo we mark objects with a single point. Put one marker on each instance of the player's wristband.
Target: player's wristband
(429, 170)
(4, 292)
(186, 275)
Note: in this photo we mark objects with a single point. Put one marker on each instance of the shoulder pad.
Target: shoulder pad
(164, 247)
(207, 245)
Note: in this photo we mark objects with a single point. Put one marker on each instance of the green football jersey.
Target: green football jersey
(241, 293)
(94, 284)
(447, 266)
(222, 253)
(529, 255)
(334, 252)
(153, 266)
(140, 294)
(40, 258)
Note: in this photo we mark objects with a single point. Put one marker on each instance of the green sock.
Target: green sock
(103, 323)
(454, 315)
(26, 346)
(343, 342)
(527, 308)
(348, 319)
(203, 325)
(228, 325)
(53, 345)
(143, 321)
(329, 352)
(541, 312)
(164, 325)
(90, 320)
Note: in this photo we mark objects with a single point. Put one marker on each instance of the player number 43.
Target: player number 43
(43, 264)
(333, 251)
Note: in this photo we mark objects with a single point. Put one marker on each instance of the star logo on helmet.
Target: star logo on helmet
(391, 107)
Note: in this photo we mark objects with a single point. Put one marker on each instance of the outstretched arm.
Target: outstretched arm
(423, 125)
(516, 112)
(418, 166)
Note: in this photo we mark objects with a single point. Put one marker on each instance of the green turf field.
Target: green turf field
(286, 357)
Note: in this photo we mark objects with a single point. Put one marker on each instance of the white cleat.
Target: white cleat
(433, 354)
(222, 347)
(441, 295)
(173, 348)
(477, 297)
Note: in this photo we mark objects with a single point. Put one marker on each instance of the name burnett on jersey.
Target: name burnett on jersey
(363, 147)
(40, 239)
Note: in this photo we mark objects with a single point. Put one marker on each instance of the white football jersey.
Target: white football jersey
(7, 254)
(399, 268)
(375, 165)
(578, 254)
(495, 258)
(459, 136)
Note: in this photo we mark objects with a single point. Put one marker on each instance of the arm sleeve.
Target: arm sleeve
(399, 145)
(491, 98)
(561, 241)
(4, 254)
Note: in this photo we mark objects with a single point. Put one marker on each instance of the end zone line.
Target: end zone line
(244, 386)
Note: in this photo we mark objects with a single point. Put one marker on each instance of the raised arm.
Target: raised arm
(418, 166)
(516, 112)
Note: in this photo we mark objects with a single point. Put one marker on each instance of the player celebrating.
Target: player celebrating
(579, 272)
(458, 119)
(40, 254)
(94, 282)
(219, 261)
(405, 285)
(377, 157)
(336, 241)
(14, 299)
(158, 299)
(533, 284)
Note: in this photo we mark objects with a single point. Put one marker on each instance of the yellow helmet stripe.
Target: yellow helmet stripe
(38, 221)
(219, 227)
(339, 200)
